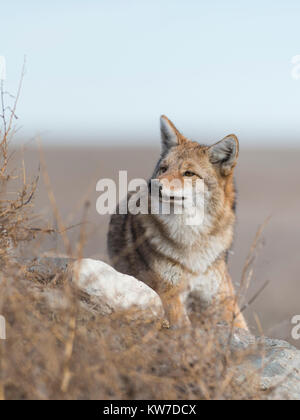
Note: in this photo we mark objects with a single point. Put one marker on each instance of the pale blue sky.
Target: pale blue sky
(103, 71)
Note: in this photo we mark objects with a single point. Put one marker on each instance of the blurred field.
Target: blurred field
(268, 185)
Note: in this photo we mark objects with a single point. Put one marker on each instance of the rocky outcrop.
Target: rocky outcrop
(276, 361)
(107, 290)
(113, 291)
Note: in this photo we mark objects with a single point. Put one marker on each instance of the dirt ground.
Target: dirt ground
(268, 185)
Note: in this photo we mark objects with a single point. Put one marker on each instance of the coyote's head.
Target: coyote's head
(188, 168)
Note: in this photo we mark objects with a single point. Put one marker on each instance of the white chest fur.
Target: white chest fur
(203, 288)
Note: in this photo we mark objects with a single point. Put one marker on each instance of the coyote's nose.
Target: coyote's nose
(167, 184)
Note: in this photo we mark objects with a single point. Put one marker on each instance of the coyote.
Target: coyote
(186, 265)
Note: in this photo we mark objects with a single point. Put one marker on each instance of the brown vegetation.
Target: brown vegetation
(56, 348)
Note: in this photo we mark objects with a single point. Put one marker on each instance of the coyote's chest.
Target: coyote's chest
(195, 269)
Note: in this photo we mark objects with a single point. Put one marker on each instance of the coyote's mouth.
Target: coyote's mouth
(170, 198)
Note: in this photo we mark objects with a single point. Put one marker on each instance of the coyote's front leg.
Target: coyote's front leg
(175, 310)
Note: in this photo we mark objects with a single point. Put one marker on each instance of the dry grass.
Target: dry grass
(58, 348)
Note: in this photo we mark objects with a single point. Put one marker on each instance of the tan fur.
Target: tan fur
(186, 265)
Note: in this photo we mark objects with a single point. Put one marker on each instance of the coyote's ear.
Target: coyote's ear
(225, 153)
(170, 136)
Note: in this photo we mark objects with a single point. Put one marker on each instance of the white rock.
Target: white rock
(112, 290)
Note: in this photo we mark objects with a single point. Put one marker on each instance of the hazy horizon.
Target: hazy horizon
(104, 71)
(95, 142)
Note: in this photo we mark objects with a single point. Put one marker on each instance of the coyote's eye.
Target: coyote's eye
(163, 169)
(189, 174)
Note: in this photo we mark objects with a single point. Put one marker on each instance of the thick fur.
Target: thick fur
(185, 264)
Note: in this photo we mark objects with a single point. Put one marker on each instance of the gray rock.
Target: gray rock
(276, 361)
(47, 266)
(114, 291)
